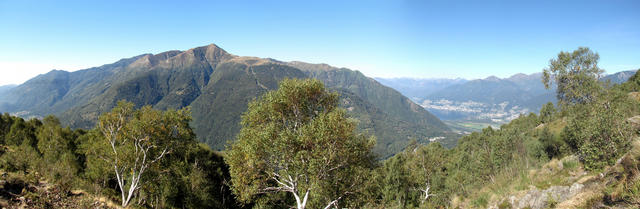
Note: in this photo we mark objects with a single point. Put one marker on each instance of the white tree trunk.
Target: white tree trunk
(426, 192)
(289, 184)
(331, 203)
(298, 202)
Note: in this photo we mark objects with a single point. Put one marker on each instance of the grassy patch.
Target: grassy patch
(481, 201)
(505, 205)
(520, 177)
(570, 164)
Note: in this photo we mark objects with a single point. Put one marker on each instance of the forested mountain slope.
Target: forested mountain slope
(217, 86)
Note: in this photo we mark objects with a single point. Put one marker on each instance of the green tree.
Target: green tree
(427, 165)
(22, 132)
(135, 141)
(20, 158)
(296, 140)
(97, 171)
(598, 133)
(6, 121)
(546, 112)
(553, 145)
(57, 145)
(396, 184)
(576, 75)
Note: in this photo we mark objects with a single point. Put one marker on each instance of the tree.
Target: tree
(598, 133)
(546, 112)
(22, 132)
(576, 75)
(553, 146)
(296, 140)
(396, 183)
(56, 146)
(6, 121)
(134, 141)
(427, 164)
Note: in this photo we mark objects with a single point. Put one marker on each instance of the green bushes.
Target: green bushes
(598, 132)
(479, 159)
(594, 129)
(553, 145)
(42, 150)
(20, 159)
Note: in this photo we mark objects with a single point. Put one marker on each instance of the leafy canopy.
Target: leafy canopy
(135, 141)
(297, 140)
(576, 74)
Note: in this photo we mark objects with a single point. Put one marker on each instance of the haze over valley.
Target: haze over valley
(471, 105)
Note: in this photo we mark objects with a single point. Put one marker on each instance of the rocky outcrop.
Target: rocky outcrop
(537, 199)
(635, 122)
(634, 95)
(576, 183)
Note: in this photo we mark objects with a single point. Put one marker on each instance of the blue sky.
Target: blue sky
(468, 39)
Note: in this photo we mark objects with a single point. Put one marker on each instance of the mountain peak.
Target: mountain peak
(492, 78)
(210, 49)
(519, 76)
(311, 67)
(213, 47)
(211, 54)
(251, 61)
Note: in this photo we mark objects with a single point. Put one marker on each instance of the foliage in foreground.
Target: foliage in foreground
(592, 125)
(297, 148)
(189, 175)
(296, 140)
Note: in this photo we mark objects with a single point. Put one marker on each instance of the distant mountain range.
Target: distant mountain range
(6, 88)
(492, 99)
(419, 88)
(217, 86)
(619, 77)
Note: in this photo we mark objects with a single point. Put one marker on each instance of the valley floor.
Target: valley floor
(468, 126)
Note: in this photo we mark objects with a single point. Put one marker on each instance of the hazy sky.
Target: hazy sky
(387, 38)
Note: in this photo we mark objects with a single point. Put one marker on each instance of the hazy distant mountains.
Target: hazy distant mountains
(419, 88)
(619, 77)
(494, 99)
(491, 99)
(217, 86)
(6, 88)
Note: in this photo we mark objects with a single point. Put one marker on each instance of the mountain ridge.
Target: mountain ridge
(492, 99)
(217, 86)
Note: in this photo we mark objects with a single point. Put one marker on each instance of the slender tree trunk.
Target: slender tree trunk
(426, 192)
(331, 203)
(299, 204)
(120, 185)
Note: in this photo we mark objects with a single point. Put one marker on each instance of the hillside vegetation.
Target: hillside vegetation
(299, 148)
(580, 155)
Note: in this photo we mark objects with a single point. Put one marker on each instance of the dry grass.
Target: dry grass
(518, 181)
(585, 199)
